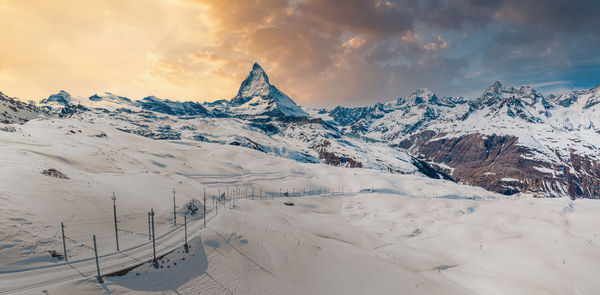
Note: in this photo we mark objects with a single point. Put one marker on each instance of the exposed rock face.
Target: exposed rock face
(14, 111)
(501, 164)
(332, 158)
(61, 98)
(54, 173)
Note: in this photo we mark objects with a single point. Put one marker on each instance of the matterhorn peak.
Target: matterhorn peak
(257, 67)
(256, 84)
(260, 97)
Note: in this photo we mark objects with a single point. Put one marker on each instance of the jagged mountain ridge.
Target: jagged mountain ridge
(14, 111)
(507, 140)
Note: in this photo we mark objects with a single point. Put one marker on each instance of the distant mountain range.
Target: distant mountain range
(509, 140)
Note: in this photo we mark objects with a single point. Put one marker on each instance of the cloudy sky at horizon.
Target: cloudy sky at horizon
(320, 52)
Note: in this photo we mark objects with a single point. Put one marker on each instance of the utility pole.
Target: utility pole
(185, 229)
(174, 215)
(149, 230)
(204, 217)
(153, 238)
(100, 280)
(114, 198)
(62, 228)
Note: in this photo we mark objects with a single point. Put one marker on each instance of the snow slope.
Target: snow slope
(377, 243)
(99, 159)
(417, 235)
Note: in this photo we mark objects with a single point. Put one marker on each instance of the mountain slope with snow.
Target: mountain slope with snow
(14, 111)
(257, 97)
(509, 140)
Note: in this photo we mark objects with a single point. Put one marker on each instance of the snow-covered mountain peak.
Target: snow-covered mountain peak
(424, 97)
(62, 97)
(495, 87)
(577, 98)
(256, 84)
(498, 93)
(419, 96)
(110, 98)
(257, 96)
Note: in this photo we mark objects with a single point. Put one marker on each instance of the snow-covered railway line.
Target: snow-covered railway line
(18, 281)
(15, 281)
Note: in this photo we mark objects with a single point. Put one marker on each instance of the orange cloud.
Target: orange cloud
(196, 49)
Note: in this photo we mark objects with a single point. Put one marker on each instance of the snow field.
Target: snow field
(426, 237)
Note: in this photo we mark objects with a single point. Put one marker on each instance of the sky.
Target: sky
(320, 52)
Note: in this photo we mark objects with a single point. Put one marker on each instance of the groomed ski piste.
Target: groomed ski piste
(343, 231)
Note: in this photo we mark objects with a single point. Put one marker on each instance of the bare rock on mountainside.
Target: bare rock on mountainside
(501, 164)
(54, 173)
(14, 111)
(7, 128)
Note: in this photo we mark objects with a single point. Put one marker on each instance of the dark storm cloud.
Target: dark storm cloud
(545, 41)
(376, 19)
(361, 51)
(455, 15)
(563, 15)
